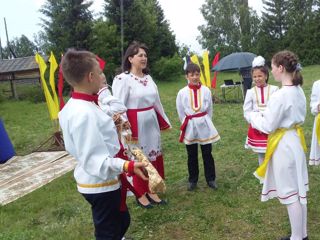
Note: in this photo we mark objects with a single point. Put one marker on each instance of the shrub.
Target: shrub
(168, 68)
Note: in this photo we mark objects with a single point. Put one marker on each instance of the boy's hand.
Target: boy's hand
(138, 170)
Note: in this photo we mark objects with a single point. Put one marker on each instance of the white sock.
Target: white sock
(296, 220)
(304, 220)
(260, 158)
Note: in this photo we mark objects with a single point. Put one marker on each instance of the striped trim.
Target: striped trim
(192, 101)
(283, 198)
(202, 140)
(98, 185)
(259, 104)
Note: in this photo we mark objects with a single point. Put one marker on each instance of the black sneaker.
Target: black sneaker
(212, 184)
(192, 186)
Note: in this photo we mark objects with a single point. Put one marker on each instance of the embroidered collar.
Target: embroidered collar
(85, 97)
(194, 87)
(143, 80)
(262, 86)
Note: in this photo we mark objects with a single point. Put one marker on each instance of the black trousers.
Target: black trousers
(109, 222)
(208, 162)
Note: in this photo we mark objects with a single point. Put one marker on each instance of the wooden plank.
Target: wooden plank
(35, 178)
(19, 165)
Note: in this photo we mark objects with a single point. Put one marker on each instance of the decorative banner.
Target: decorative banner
(214, 62)
(102, 62)
(205, 62)
(60, 86)
(52, 108)
(195, 60)
(53, 68)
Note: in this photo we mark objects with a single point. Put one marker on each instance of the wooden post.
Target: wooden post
(13, 87)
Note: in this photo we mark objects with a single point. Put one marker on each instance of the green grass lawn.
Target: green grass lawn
(234, 211)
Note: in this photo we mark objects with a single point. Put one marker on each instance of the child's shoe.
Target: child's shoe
(192, 186)
(212, 184)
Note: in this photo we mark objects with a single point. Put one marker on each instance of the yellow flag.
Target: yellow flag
(53, 68)
(53, 111)
(206, 66)
(195, 60)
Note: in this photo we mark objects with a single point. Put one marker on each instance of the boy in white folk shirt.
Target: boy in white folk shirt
(194, 107)
(90, 136)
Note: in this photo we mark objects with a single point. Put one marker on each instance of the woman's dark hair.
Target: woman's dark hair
(191, 68)
(263, 69)
(290, 62)
(132, 50)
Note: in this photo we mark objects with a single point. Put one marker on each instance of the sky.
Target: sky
(23, 18)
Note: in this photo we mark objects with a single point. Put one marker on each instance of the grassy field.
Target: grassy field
(234, 211)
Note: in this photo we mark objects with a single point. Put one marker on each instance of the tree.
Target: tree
(67, 24)
(273, 27)
(301, 24)
(221, 31)
(106, 44)
(21, 47)
(144, 22)
(230, 26)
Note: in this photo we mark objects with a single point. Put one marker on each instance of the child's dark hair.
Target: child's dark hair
(290, 62)
(132, 50)
(191, 68)
(76, 64)
(263, 69)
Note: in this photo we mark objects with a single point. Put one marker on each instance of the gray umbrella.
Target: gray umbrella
(235, 61)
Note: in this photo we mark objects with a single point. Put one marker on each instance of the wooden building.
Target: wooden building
(19, 71)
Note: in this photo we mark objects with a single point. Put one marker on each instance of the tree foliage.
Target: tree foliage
(232, 26)
(67, 24)
(143, 21)
(21, 47)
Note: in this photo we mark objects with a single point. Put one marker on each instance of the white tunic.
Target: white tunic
(314, 102)
(256, 101)
(109, 104)
(200, 129)
(142, 93)
(287, 176)
(90, 136)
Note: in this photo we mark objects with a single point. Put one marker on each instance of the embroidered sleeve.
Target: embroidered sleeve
(179, 106)
(248, 106)
(159, 108)
(315, 97)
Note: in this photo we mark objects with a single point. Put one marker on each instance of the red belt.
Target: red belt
(186, 121)
(132, 118)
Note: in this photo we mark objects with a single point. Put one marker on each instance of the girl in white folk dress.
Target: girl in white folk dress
(256, 101)
(315, 109)
(284, 169)
(139, 93)
(194, 107)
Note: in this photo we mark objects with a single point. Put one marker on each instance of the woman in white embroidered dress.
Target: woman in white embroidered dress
(139, 93)
(286, 176)
(315, 109)
(256, 101)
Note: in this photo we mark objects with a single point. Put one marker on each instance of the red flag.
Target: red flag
(60, 87)
(214, 62)
(102, 63)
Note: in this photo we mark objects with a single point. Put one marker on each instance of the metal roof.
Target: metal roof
(19, 64)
